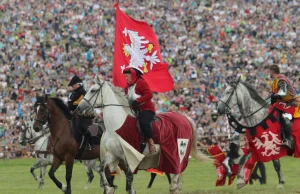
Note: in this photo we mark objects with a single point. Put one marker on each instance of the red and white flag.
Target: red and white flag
(136, 45)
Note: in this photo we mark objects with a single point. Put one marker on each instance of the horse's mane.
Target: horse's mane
(39, 100)
(254, 94)
(120, 97)
(62, 107)
(119, 94)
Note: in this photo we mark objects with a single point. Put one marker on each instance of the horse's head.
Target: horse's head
(42, 113)
(229, 97)
(25, 134)
(93, 98)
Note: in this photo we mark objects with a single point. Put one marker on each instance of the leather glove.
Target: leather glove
(134, 104)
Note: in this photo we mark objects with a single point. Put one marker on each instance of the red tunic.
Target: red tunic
(142, 89)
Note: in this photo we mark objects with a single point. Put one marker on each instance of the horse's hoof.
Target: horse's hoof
(110, 190)
(241, 185)
(174, 192)
(41, 185)
(179, 187)
(64, 188)
(280, 186)
(87, 185)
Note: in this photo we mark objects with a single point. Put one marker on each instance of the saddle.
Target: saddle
(96, 130)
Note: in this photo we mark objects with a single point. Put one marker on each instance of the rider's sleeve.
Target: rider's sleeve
(282, 89)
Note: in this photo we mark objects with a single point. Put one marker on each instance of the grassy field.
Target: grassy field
(198, 178)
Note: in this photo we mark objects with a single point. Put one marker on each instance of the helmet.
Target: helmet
(75, 80)
(134, 72)
(129, 68)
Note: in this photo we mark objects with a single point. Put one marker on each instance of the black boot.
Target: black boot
(287, 138)
(89, 140)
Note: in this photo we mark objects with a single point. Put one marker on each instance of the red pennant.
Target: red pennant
(136, 45)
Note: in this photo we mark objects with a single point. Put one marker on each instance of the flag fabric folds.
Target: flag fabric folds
(136, 45)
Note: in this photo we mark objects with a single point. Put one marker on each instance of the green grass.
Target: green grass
(15, 178)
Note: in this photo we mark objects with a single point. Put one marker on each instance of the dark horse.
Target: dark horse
(63, 144)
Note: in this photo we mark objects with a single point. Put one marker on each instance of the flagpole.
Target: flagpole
(117, 3)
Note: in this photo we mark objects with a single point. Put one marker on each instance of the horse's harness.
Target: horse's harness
(230, 116)
(46, 117)
(102, 105)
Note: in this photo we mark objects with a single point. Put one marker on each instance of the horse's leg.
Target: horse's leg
(43, 168)
(42, 176)
(55, 165)
(179, 182)
(35, 166)
(110, 178)
(169, 177)
(262, 169)
(277, 167)
(88, 169)
(69, 169)
(240, 177)
(129, 180)
(254, 175)
(174, 184)
(153, 175)
(103, 180)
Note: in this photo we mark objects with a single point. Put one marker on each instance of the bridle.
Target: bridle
(46, 117)
(31, 139)
(96, 93)
(228, 108)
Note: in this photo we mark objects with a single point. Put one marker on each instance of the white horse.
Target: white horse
(253, 109)
(40, 141)
(115, 109)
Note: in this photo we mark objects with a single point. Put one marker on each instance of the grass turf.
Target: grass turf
(15, 178)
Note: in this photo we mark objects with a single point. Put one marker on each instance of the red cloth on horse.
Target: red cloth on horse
(265, 143)
(284, 108)
(296, 136)
(219, 156)
(169, 128)
(295, 126)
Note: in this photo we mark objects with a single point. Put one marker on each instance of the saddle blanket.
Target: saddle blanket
(172, 131)
(219, 156)
(293, 110)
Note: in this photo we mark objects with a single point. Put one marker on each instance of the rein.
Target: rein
(33, 140)
(44, 121)
(102, 105)
(229, 114)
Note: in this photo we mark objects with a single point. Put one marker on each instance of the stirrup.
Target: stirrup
(286, 143)
(90, 147)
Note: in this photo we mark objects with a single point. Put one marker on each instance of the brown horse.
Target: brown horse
(64, 145)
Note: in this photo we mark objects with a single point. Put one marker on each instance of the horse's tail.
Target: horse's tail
(195, 153)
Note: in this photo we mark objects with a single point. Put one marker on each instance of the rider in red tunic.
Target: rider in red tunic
(140, 96)
(283, 93)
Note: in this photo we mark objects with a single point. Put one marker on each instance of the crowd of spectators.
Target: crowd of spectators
(44, 43)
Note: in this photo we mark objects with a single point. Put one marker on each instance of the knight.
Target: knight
(75, 97)
(283, 93)
(140, 96)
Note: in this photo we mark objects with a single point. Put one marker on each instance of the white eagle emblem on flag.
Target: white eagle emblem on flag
(140, 50)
